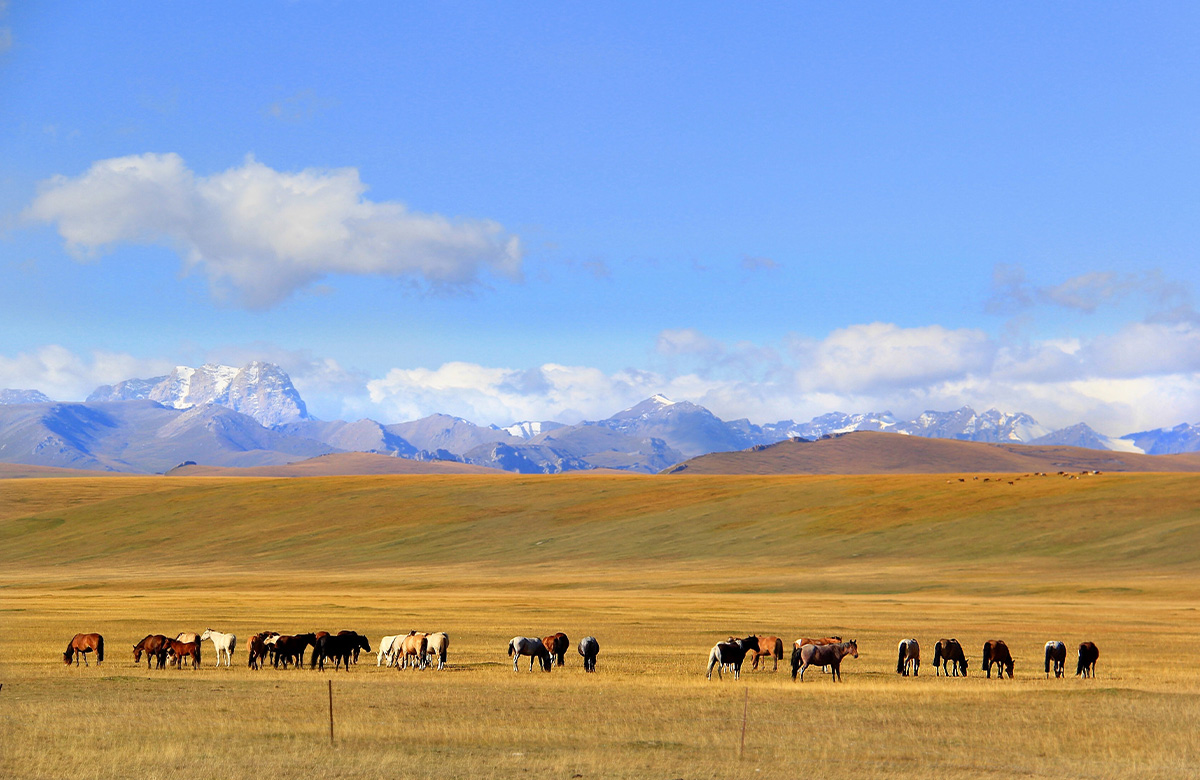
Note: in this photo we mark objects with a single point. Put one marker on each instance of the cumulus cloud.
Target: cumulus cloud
(259, 234)
(878, 356)
(65, 376)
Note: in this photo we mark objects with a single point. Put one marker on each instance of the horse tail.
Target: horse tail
(510, 647)
(900, 659)
(714, 657)
(778, 651)
(99, 649)
(795, 662)
(987, 657)
(1049, 653)
(937, 654)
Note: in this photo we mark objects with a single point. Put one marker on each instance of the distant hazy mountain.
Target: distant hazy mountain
(253, 415)
(684, 426)
(141, 436)
(1167, 441)
(24, 397)
(1081, 435)
(260, 390)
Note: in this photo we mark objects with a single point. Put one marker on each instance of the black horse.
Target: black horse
(948, 657)
(340, 648)
(589, 648)
(290, 649)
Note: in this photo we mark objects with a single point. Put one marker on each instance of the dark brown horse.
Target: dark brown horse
(155, 647)
(290, 649)
(1088, 653)
(180, 651)
(356, 647)
(822, 655)
(995, 653)
(771, 647)
(558, 645)
(81, 645)
(948, 657)
(258, 650)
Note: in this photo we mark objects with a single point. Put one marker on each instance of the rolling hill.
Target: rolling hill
(871, 452)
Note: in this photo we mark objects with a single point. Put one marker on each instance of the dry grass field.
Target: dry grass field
(658, 569)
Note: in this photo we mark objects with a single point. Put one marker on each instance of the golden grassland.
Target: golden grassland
(658, 569)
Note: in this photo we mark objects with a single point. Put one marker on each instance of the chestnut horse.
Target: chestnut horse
(416, 646)
(259, 648)
(995, 653)
(155, 647)
(1056, 654)
(1088, 653)
(946, 652)
(181, 650)
(81, 645)
(822, 655)
(770, 646)
(558, 645)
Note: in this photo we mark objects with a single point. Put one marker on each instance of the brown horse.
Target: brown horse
(770, 646)
(804, 640)
(822, 655)
(290, 649)
(947, 652)
(995, 653)
(81, 645)
(416, 646)
(258, 650)
(557, 644)
(180, 651)
(155, 647)
(1088, 653)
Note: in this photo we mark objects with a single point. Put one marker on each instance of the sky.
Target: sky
(551, 211)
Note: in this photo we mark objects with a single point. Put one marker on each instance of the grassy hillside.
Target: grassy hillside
(876, 526)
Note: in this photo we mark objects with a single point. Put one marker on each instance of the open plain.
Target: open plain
(658, 569)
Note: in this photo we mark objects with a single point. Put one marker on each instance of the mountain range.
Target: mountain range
(253, 416)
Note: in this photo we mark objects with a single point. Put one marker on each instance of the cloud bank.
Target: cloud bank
(259, 234)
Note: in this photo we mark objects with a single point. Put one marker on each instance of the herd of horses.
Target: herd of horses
(420, 650)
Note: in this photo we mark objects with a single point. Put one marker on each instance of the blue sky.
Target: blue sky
(553, 210)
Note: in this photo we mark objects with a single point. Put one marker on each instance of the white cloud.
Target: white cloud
(880, 356)
(66, 376)
(259, 234)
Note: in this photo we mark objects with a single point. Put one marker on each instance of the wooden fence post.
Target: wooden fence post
(745, 711)
(330, 681)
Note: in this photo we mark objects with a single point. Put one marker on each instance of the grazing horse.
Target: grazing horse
(771, 647)
(589, 648)
(223, 643)
(258, 650)
(730, 653)
(947, 652)
(436, 645)
(822, 655)
(1056, 653)
(524, 645)
(415, 646)
(181, 650)
(909, 658)
(340, 648)
(357, 647)
(155, 647)
(388, 646)
(1088, 653)
(995, 652)
(290, 649)
(557, 644)
(82, 644)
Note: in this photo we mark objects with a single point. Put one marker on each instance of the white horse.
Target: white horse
(532, 647)
(388, 647)
(437, 644)
(224, 643)
(908, 660)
